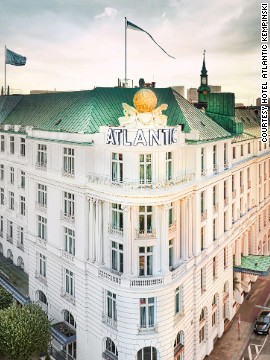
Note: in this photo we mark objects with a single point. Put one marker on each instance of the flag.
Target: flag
(14, 59)
(135, 27)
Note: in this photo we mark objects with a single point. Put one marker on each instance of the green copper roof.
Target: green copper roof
(86, 111)
(254, 264)
(251, 121)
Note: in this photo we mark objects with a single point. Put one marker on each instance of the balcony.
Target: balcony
(41, 241)
(215, 208)
(109, 275)
(68, 173)
(109, 321)
(67, 217)
(234, 194)
(146, 281)
(41, 166)
(145, 234)
(115, 230)
(41, 207)
(67, 256)
(9, 238)
(226, 165)
(147, 329)
(204, 215)
(127, 184)
(40, 277)
(67, 296)
(172, 226)
(215, 168)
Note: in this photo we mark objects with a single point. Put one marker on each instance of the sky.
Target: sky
(80, 44)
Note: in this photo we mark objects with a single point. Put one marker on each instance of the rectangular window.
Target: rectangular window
(202, 161)
(111, 306)
(22, 205)
(117, 217)
(69, 282)
(42, 227)
(1, 225)
(42, 265)
(203, 278)
(214, 195)
(168, 165)
(241, 178)
(202, 238)
(171, 253)
(225, 154)
(233, 182)
(12, 144)
(2, 196)
(214, 229)
(68, 161)
(225, 221)
(2, 172)
(9, 230)
(179, 300)
(117, 167)
(145, 219)
(11, 200)
(42, 155)
(42, 195)
(147, 313)
(214, 267)
(215, 157)
(22, 147)
(145, 168)
(234, 152)
(248, 148)
(170, 213)
(22, 180)
(202, 202)
(2, 143)
(11, 177)
(69, 205)
(242, 150)
(260, 146)
(21, 236)
(225, 189)
(117, 256)
(69, 241)
(225, 257)
(145, 260)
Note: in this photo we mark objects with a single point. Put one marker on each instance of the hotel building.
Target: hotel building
(132, 231)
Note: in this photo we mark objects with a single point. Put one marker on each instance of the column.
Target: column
(190, 232)
(127, 239)
(252, 240)
(99, 232)
(91, 230)
(178, 227)
(164, 248)
(183, 230)
(245, 249)
(238, 252)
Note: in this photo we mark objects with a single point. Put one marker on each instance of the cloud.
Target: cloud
(108, 11)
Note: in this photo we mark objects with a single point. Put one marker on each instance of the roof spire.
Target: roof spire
(204, 71)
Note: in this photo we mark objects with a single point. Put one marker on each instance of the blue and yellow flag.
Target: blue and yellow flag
(14, 59)
(135, 27)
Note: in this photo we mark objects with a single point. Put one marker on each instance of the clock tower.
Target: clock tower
(203, 89)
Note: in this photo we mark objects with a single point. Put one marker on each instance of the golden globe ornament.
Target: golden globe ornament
(145, 100)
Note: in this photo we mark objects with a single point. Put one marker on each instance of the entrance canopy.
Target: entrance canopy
(62, 333)
(254, 265)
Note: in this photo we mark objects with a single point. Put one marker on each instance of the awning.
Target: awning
(14, 292)
(63, 333)
(258, 265)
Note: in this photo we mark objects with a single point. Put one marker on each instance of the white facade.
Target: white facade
(130, 240)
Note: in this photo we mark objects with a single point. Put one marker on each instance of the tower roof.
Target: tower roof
(204, 71)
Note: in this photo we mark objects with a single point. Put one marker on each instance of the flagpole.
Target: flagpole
(5, 72)
(125, 52)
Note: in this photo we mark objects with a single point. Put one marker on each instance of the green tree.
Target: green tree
(5, 298)
(24, 331)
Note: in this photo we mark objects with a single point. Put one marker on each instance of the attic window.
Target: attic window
(203, 124)
(57, 122)
(242, 119)
(248, 119)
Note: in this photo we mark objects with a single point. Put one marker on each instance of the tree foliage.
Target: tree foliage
(24, 331)
(5, 298)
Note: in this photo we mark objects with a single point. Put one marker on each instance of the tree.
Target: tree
(24, 331)
(5, 298)
(236, 284)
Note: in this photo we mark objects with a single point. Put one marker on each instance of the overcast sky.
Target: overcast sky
(79, 44)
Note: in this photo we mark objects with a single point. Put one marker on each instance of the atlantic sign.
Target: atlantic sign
(149, 137)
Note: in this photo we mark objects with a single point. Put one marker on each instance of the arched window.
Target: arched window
(41, 297)
(10, 255)
(110, 349)
(214, 310)
(1, 248)
(179, 346)
(20, 262)
(68, 317)
(202, 325)
(147, 353)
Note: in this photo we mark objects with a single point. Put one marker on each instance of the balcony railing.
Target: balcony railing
(67, 255)
(145, 234)
(145, 282)
(115, 230)
(215, 208)
(41, 166)
(109, 321)
(67, 296)
(137, 184)
(204, 215)
(41, 207)
(68, 173)
(109, 275)
(10, 239)
(147, 329)
(67, 217)
(172, 226)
